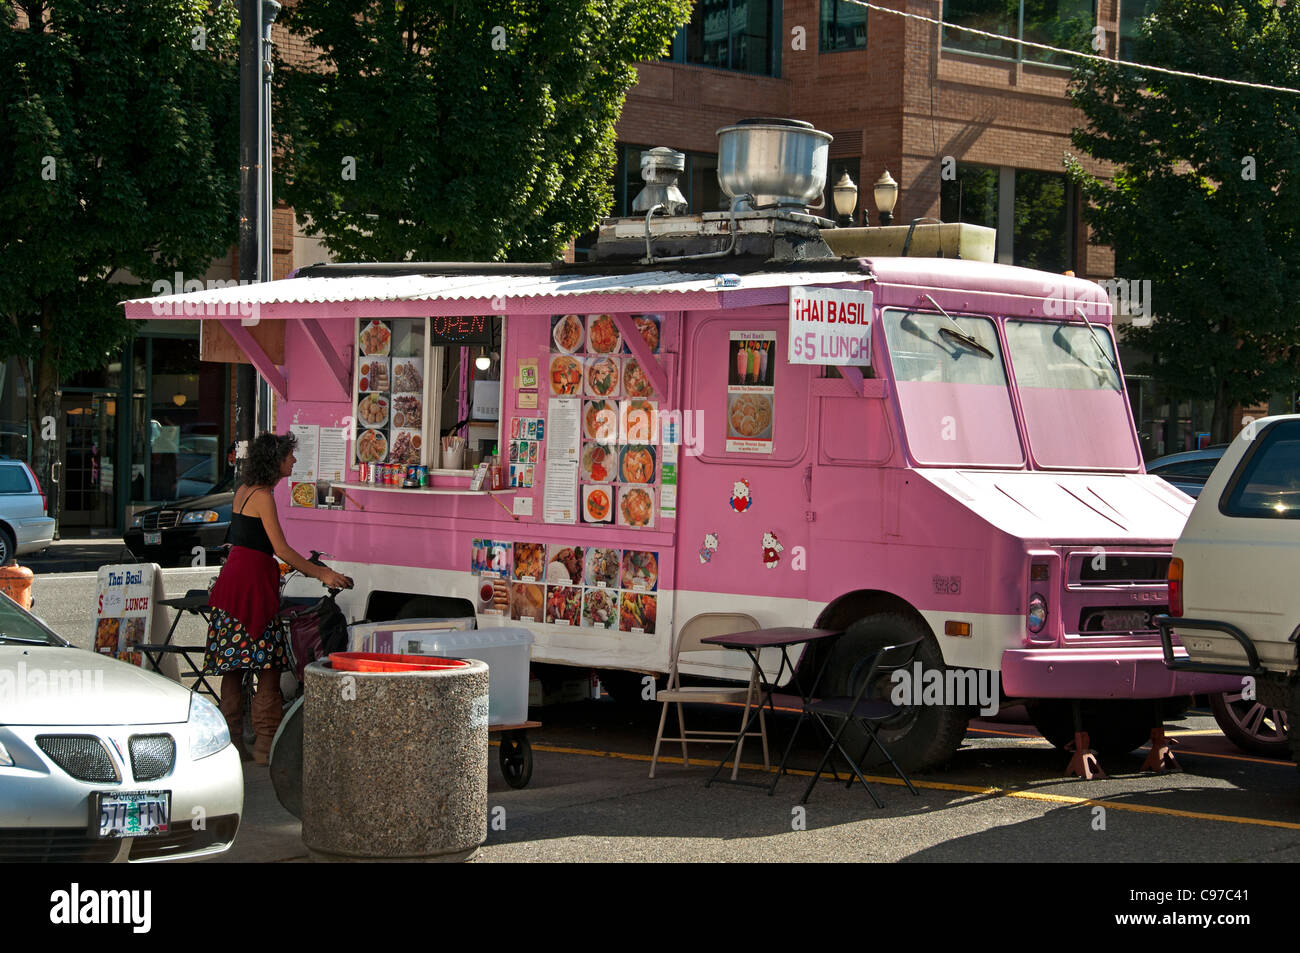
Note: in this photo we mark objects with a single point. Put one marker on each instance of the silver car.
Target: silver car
(103, 761)
(25, 526)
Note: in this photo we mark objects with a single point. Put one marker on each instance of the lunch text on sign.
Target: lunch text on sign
(830, 326)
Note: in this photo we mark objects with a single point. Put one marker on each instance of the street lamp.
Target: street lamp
(845, 195)
(886, 194)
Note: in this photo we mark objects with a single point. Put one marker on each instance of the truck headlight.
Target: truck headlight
(200, 516)
(208, 730)
(1037, 617)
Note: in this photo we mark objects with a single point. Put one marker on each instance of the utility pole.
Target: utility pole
(250, 100)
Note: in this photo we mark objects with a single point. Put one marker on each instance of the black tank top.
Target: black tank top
(248, 531)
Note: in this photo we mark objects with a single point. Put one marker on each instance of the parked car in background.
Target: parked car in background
(103, 761)
(1188, 470)
(169, 534)
(198, 480)
(1233, 599)
(25, 524)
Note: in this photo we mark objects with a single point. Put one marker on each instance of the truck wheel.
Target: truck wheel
(922, 736)
(1251, 725)
(1114, 726)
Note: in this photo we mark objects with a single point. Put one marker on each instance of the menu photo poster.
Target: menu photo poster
(302, 479)
(127, 610)
(751, 391)
(331, 467)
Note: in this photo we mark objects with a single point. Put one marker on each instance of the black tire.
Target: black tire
(923, 736)
(8, 546)
(1251, 725)
(516, 759)
(1114, 726)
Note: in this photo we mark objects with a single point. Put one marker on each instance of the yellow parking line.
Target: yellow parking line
(960, 788)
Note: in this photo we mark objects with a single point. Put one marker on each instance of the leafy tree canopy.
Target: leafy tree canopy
(118, 163)
(443, 130)
(1205, 201)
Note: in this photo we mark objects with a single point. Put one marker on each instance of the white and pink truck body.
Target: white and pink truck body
(949, 481)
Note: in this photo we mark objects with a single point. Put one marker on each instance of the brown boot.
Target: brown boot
(268, 708)
(232, 706)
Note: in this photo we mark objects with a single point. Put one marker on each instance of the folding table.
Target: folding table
(195, 601)
(752, 643)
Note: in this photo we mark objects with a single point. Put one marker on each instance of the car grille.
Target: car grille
(66, 844)
(152, 756)
(183, 838)
(82, 756)
(163, 519)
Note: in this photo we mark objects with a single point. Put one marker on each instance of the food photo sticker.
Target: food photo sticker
(302, 494)
(375, 339)
(564, 605)
(636, 506)
(530, 561)
(405, 446)
(598, 463)
(373, 374)
(600, 609)
(568, 333)
(493, 595)
(600, 420)
(564, 565)
(650, 328)
(603, 568)
(527, 602)
(372, 446)
(603, 335)
(636, 464)
(635, 382)
(407, 410)
(408, 375)
(639, 420)
(597, 503)
(637, 612)
(602, 377)
(640, 570)
(566, 375)
(751, 391)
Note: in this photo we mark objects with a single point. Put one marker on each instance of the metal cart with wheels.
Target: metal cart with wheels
(515, 753)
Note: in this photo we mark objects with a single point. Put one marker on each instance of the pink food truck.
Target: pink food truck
(720, 414)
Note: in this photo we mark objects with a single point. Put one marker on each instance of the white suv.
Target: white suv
(1234, 581)
(25, 526)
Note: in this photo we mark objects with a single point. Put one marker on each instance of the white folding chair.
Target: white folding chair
(688, 641)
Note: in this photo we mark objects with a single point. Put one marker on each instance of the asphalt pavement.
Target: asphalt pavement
(1003, 796)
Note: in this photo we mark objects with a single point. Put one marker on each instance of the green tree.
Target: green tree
(442, 130)
(1204, 201)
(118, 165)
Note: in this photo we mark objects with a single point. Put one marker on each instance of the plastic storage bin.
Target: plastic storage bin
(506, 650)
(390, 637)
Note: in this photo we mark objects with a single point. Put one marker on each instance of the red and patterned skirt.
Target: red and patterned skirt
(245, 600)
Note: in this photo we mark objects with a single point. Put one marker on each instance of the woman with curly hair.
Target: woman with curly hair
(243, 631)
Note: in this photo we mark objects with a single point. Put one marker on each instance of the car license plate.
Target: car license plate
(134, 814)
(1126, 621)
(153, 539)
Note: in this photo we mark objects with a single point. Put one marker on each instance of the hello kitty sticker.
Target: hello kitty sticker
(772, 550)
(709, 548)
(741, 501)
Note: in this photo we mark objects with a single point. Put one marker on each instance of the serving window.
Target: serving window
(418, 381)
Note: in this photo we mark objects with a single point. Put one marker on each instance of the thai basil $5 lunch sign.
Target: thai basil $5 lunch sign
(128, 609)
(830, 326)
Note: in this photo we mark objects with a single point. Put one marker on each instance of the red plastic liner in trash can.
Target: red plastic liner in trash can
(387, 662)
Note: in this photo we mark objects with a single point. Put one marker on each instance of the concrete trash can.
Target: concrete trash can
(394, 762)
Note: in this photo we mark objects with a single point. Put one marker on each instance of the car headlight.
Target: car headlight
(200, 516)
(137, 521)
(208, 731)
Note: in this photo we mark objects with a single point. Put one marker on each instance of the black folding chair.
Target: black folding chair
(867, 712)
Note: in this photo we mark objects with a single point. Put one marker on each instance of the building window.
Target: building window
(1062, 23)
(1131, 15)
(843, 26)
(738, 35)
(1033, 212)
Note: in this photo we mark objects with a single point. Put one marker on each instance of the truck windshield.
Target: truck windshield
(952, 388)
(1072, 396)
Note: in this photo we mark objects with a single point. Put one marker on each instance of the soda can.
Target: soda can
(365, 469)
(424, 475)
